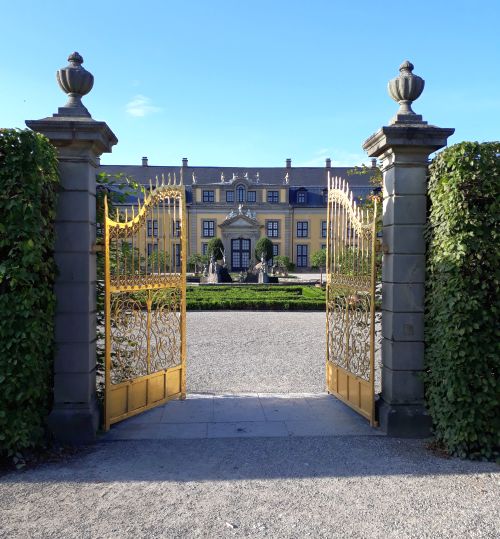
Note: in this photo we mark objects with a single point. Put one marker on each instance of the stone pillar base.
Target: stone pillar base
(74, 425)
(403, 420)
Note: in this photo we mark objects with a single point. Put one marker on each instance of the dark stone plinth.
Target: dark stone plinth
(404, 421)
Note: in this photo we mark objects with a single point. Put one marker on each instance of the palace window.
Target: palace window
(302, 256)
(276, 249)
(323, 246)
(240, 193)
(204, 248)
(252, 196)
(176, 228)
(301, 196)
(208, 196)
(229, 196)
(302, 229)
(208, 229)
(325, 196)
(177, 255)
(152, 228)
(323, 229)
(272, 229)
(152, 248)
(273, 197)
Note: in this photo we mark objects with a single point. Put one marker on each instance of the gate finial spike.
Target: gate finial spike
(138, 205)
(169, 178)
(157, 181)
(133, 213)
(117, 216)
(175, 179)
(126, 214)
(162, 179)
(150, 186)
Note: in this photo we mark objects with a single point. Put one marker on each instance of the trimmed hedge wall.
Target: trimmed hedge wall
(463, 299)
(28, 185)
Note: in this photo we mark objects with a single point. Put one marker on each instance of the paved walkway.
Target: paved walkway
(244, 416)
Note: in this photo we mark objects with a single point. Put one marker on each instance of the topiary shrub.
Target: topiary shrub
(264, 245)
(28, 185)
(215, 247)
(463, 299)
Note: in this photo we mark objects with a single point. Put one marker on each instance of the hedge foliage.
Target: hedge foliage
(28, 188)
(247, 297)
(463, 299)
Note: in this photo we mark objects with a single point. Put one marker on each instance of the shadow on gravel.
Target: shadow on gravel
(242, 459)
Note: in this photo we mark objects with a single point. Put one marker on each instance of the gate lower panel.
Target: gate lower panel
(138, 395)
(350, 389)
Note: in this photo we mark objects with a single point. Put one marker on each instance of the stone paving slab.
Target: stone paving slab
(247, 415)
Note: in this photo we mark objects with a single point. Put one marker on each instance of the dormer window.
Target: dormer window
(241, 193)
(301, 196)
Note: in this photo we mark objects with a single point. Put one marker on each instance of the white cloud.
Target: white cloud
(340, 158)
(140, 106)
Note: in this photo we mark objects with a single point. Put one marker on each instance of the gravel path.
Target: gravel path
(242, 351)
(336, 487)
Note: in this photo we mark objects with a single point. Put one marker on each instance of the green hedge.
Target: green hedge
(463, 299)
(28, 185)
(258, 297)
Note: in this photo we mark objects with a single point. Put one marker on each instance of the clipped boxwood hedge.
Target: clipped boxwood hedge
(28, 185)
(463, 299)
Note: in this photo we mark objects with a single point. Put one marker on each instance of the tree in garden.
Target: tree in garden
(197, 261)
(215, 248)
(318, 260)
(264, 246)
(283, 263)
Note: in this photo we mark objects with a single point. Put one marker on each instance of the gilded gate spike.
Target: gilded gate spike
(175, 179)
(156, 181)
(133, 213)
(169, 179)
(117, 216)
(162, 179)
(150, 186)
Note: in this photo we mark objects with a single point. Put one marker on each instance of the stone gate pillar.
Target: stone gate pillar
(404, 147)
(80, 140)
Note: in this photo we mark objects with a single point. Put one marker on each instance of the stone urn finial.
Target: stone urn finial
(76, 81)
(405, 89)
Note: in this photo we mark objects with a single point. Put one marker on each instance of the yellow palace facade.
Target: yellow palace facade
(239, 205)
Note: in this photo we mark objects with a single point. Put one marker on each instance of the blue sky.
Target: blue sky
(235, 83)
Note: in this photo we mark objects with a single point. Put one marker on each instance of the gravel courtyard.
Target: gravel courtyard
(250, 352)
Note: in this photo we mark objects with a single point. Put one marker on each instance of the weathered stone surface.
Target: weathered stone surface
(403, 326)
(403, 297)
(402, 387)
(403, 268)
(405, 210)
(404, 239)
(403, 355)
(410, 179)
(404, 420)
